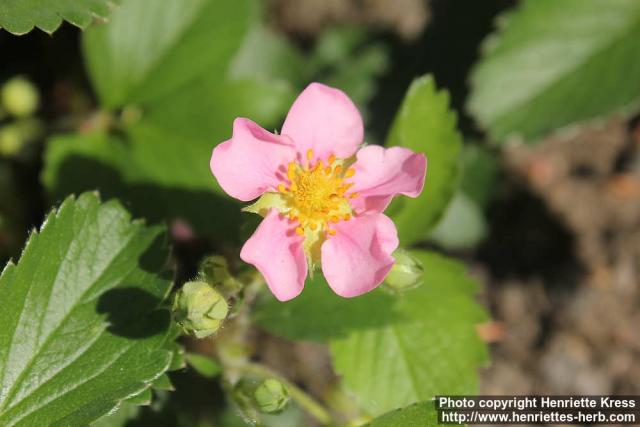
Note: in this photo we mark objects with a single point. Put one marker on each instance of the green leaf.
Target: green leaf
(205, 109)
(346, 58)
(554, 63)
(120, 418)
(21, 16)
(463, 225)
(204, 365)
(80, 326)
(480, 173)
(425, 123)
(162, 175)
(151, 48)
(423, 414)
(266, 55)
(433, 350)
(318, 314)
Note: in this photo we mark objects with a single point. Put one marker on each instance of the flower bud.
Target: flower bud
(11, 140)
(406, 273)
(19, 97)
(215, 270)
(271, 396)
(199, 309)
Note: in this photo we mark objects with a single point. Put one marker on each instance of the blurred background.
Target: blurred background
(551, 228)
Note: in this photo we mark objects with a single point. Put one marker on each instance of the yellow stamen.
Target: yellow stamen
(313, 194)
(353, 195)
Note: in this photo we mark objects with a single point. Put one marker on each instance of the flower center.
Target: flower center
(316, 195)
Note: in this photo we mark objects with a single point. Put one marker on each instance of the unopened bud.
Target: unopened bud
(215, 270)
(199, 309)
(406, 273)
(19, 97)
(271, 396)
(11, 140)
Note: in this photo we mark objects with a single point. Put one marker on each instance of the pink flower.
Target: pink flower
(322, 194)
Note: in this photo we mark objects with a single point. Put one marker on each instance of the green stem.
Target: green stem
(313, 407)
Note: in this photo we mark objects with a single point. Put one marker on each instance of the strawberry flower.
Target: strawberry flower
(322, 194)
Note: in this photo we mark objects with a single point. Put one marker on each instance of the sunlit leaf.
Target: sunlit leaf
(551, 65)
(82, 331)
(150, 48)
(425, 123)
(433, 350)
(21, 16)
(422, 414)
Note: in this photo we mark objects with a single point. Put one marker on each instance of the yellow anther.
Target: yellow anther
(353, 195)
(291, 171)
(315, 195)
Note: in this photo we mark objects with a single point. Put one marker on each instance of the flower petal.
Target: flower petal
(325, 120)
(382, 173)
(358, 257)
(252, 161)
(276, 251)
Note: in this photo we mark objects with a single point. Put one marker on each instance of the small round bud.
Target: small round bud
(215, 270)
(199, 309)
(19, 97)
(406, 273)
(271, 396)
(11, 140)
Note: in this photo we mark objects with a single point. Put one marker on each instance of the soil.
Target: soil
(571, 322)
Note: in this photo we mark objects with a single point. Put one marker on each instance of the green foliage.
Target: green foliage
(175, 71)
(121, 168)
(140, 55)
(82, 330)
(425, 123)
(550, 65)
(21, 16)
(463, 225)
(422, 414)
(433, 350)
(344, 57)
(204, 365)
(420, 343)
(318, 314)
